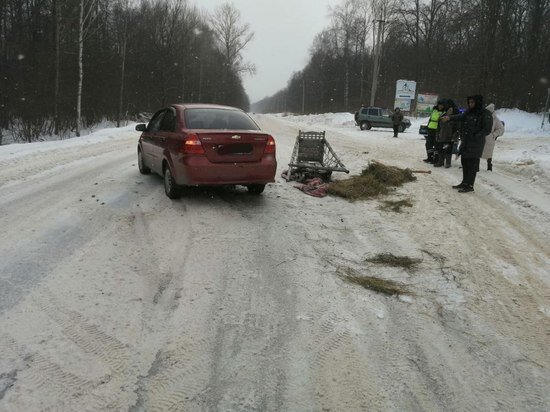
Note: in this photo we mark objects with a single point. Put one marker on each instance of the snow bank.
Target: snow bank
(524, 146)
(344, 119)
(517, 121)
(520, 122)
(15, 150)
(535, 155)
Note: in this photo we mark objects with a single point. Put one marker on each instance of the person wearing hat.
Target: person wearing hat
(446, 136)
(396, 118)
(433, 125)
(477, 123)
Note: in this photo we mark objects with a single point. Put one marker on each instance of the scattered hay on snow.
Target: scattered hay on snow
(396, 205)
(387, 287)
(389, 259)
(377, 179)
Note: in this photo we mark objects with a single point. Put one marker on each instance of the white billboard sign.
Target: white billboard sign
(405, 89)
(403, 104)
(425, 102)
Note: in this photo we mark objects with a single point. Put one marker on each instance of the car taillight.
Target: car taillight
(270, 146)
(193, 145)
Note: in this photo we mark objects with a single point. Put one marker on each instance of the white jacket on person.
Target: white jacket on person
(497, 131)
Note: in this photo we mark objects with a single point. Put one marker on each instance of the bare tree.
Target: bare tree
(86, 18)
(451, 47)
(345, 22)
(122, 15)
(57, 17)
(363, 28)
(232, 36)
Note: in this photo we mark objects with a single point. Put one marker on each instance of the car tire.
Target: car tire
(172, 190)
(141, 165)
(255, 189)
(365, 126)
(401, 128)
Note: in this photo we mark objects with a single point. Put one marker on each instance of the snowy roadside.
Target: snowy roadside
(28, 161)
(117, 298)
(523, 150)
(15, 150)
(521, 175)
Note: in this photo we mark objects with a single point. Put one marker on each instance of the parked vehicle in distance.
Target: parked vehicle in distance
(369, 117)
(210, 145)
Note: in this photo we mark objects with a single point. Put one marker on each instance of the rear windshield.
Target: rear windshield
(218, 119)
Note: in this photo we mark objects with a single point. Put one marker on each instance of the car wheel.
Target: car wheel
(172, 190)
(365, 126)
(141, 166)
(401, 128)
(255, 189)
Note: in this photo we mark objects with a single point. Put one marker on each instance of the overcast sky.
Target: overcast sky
(284, 31)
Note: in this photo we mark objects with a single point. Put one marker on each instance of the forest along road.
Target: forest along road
(113, 297)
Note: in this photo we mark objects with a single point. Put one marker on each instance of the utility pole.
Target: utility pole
(376, 67)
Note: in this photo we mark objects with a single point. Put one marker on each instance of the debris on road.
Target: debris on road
(389, 259)
(312, 157)
(396, 205)
(314, 187)
(377, 179)
(387, 287)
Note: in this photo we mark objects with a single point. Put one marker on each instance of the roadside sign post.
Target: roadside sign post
(425, 102)
(405, 92)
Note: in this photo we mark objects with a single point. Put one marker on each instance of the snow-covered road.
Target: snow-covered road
(113, 297)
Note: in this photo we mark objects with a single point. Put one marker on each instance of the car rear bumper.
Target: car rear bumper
(198, 170)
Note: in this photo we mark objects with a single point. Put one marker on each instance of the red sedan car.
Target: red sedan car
(199, 144)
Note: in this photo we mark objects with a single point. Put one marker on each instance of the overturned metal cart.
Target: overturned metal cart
(313, 157)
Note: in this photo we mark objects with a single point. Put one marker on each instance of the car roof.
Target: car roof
(204, 106)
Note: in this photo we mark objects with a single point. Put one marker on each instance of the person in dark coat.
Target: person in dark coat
(447, 135)
(477, 123)
(396, 118)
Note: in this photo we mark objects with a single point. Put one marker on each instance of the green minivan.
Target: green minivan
(369, 117)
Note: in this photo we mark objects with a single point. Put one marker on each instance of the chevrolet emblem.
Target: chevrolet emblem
(236, 137)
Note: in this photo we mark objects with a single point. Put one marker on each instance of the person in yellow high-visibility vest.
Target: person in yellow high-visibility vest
(433, 124)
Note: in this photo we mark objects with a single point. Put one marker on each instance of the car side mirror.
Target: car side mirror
(141, 127)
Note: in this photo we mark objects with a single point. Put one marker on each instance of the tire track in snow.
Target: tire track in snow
(86, 335)
(42, 373)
